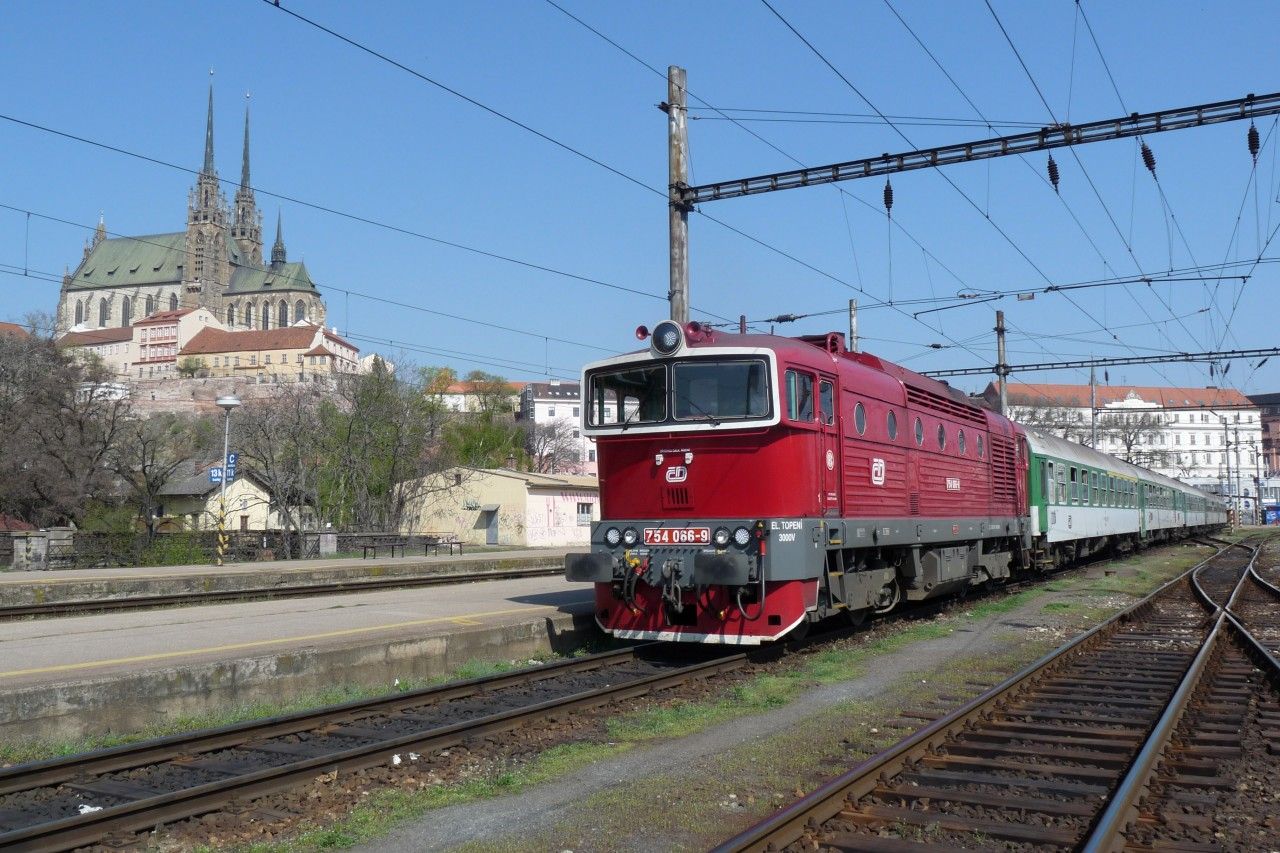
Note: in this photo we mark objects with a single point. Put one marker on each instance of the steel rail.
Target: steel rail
(1108, 833)
(77, 607)
(77, 831)
(788, 824)
(55, 771)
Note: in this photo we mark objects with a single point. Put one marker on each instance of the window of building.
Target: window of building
(591, 456)
(576, 411)
(79, 311)
(299, 311)
(283, 319)
(253, 360)
(1192, 440)
(104, 312)
(551, 411)
(173, 302)
(1177, 438)
(584, 514)
(266, 359)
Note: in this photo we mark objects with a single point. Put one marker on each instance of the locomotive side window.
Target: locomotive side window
(919, 432)
(859, 416)
(981, 450)
(716, 390)
(827, 402)
(942, 436)
(960, 442)
(634, 395)
(891, 423)
(799, 396)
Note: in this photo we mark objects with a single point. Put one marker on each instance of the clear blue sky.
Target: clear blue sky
(339, 128)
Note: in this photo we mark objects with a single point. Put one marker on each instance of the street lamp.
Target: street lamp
(227, 403)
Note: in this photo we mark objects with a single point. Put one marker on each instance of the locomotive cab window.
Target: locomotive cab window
(720, 390)
(799, 396)
(633, 395)
(827, 403)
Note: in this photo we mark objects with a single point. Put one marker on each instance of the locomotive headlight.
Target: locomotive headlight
(612, 537)
(629, 536)
(667, 338)
(741, 537)
(722, 536)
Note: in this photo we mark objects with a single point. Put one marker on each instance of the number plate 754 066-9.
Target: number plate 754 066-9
(677, 536)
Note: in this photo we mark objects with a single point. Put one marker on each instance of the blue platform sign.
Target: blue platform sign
(231, 465)
(215, 475)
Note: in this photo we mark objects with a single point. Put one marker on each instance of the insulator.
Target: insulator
(1148, 158)
(1053, 173)
(1253, 142)
(888, 197)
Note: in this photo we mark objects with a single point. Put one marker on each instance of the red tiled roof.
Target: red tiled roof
(96, 336)
(163, 317)
(13, 329)
(337, 340)
(1041, 394)
(209, 340)
(320, 350)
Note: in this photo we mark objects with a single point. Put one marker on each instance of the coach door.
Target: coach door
(829, 446)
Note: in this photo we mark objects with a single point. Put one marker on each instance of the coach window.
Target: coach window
(1062, 485)
(827, 401)
(859, 417)
(919, 432)
(799, 396)
(1046, 479)
(1075, 489)
(891, 423)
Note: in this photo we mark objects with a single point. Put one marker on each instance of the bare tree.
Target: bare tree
(1132, 430)
(278, 440)
(553, 447)
(1053, 418)
(150, 451)
(60, 420)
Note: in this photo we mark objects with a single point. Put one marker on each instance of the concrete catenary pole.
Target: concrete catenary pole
(678, 171)
(1002, 364)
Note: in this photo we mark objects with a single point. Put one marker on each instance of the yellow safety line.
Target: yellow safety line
(345, 632)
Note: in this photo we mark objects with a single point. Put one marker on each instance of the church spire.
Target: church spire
(208, 138)
(244, 168)
(277, 250)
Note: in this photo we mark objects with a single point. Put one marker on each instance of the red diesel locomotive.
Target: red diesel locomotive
(751, 484)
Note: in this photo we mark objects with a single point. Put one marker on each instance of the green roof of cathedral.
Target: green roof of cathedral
(158, 259)
(129, 261)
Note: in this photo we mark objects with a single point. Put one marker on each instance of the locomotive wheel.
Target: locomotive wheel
(890, 595)
(857, 617)
(799, 632)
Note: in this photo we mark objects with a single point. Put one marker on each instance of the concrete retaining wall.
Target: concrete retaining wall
(132, 702)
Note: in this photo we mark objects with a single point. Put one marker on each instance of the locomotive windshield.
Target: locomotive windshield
(719, 390)
(692, 390)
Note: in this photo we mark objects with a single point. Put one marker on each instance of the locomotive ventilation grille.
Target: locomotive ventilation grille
(918, 397)
(1004, 488)
(676, 497)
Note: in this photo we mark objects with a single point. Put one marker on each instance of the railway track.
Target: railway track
(81, 800)
(182, 599)
(1074, 752)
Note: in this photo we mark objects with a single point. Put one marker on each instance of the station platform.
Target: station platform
(123, 672)
(42, 587)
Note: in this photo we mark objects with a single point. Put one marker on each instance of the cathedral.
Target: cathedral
(216, 263)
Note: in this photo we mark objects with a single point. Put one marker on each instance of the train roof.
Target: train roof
(1053, 445)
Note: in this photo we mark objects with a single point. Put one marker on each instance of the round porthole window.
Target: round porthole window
(860, 418)
(892, 423)
(960, 442)
(919, 431)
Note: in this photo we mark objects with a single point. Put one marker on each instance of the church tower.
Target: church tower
(206, 273)
(247, 228)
